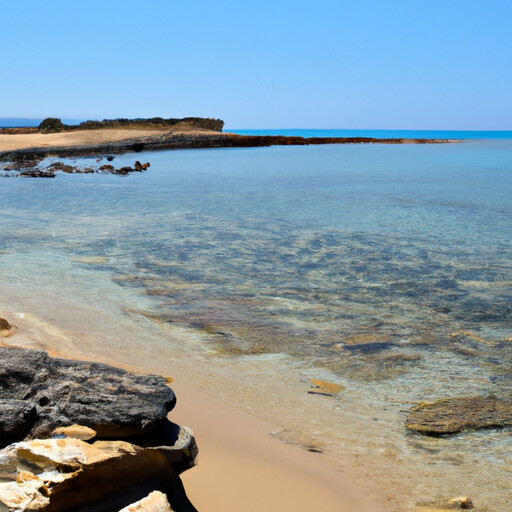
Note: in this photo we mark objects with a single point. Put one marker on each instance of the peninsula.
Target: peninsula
(53, 138)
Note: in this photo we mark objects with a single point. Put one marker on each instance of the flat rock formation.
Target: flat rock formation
(454, 415)
(79, 436)
(182, 140)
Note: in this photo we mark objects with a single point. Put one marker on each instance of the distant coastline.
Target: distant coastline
(123, 135)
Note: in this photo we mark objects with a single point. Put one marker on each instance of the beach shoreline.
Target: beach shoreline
(241, 465)
(121, 140)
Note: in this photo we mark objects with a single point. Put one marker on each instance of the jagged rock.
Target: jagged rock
(154, 502)
(113, 402)
(70, 475)
(141, 167)
(453, 415)
(16, 419)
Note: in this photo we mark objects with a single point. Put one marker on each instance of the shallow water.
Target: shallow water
(385, 269)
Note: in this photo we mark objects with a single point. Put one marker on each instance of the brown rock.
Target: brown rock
(453, 415)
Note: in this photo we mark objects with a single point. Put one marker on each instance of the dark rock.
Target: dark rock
(123, 171)
(454, 415)
(37, 174)
(110, 158)
(137, 166)
(61, 166)
(4, 324)
(16, 419)
(114, 402)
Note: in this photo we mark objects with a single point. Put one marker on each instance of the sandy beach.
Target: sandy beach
(73, 138)
(241, 466)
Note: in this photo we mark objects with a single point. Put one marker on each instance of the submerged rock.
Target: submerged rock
(113, 402)
(454, 415)
(6, 329)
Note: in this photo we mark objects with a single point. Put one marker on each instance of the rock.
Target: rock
(321, 387)
(107, 168)
(75, 432)
(16, 419)
(113, 402)
(65, 475)
(462, 501)
(153, 502)
(454, 415)
(123, 170)
(6, 329)
(110, 158)
(61, 166)
(141, 167)
(37, 174)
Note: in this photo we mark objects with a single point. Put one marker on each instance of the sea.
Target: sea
(328, 289)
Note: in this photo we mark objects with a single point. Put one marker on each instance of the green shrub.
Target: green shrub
(51, 125)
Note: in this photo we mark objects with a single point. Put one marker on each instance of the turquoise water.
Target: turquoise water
(384, 134)
(386, 269)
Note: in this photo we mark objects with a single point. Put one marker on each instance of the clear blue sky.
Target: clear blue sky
(436, 64)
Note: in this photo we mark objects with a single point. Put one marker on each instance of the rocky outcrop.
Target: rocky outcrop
(62, 392)
(28, 169)
(184, 140)
(454, 415)
(65, 474)
(80, 436)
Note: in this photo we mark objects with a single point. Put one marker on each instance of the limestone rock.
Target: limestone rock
(64, 475)
(113, 402)
(153, 502)
(75, 432)
(462, 501)
(454, 415)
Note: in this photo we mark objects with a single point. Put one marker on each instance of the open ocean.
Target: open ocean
(386, 269)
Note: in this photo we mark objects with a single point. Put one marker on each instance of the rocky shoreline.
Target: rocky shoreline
(191, 140)
(80, 436)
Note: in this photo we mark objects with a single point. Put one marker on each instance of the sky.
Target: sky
(366, 64)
